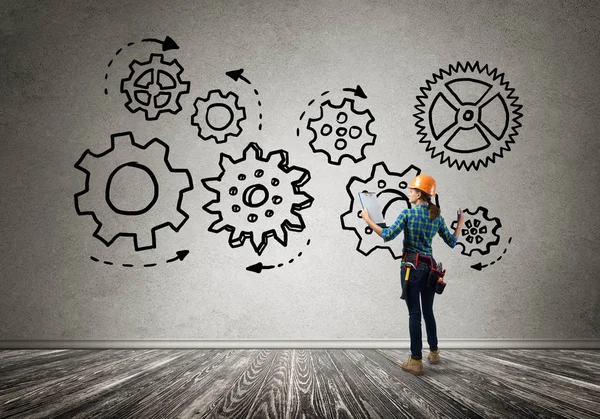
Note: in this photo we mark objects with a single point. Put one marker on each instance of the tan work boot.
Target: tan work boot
(434, 356)
(413, 366)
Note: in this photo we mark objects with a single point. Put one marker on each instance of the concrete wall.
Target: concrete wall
(524, 164)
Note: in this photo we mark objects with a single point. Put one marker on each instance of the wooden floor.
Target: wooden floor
(297, 383)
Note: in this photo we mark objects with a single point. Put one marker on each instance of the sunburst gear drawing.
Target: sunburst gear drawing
(108, 191)
(258, 197)
(341, 131)
(389, 187)
(154, 86)
(467, 115)
(479, 232)
(218, 116)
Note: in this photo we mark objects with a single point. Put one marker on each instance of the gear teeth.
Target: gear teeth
(177, 219)
(107, 234)
(144, 240)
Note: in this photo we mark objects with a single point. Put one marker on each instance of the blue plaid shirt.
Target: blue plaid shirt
(419, 230)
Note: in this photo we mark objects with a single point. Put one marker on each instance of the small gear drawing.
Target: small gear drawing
(258, 197)
(389, 187)
(218, 116)
(154, 86)
(467, 116)
(341, 131)
(98, 197)
(479, 233)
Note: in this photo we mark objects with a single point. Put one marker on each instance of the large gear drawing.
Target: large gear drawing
(154, 86)
(479, 232)
(341, 131)
(467, 116)
(141, 223)
(389, 187)
(258, 197)
(210, 124)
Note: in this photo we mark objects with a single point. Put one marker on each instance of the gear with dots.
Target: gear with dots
(108, 179)
(389, 187)
(479, 232)
(341, 131)
(467, 116)
(218, 116)
(258, 197)
(154, 86)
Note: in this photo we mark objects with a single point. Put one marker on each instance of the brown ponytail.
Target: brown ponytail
(433, 209)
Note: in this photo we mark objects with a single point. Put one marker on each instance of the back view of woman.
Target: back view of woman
(420, 224)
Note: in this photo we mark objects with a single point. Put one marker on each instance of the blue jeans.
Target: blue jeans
(417, 285)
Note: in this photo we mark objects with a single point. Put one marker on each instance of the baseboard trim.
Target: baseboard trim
(300, 344)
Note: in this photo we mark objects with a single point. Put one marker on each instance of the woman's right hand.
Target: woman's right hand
(461, 216)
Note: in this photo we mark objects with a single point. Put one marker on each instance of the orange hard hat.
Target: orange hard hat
(424, 183)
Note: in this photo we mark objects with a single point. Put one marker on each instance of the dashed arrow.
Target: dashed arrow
(237, 75)
(180, 255)
(167, 44)
(357, 92)
(479, 266)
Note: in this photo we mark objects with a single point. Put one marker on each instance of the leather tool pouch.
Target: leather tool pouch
(436, 280)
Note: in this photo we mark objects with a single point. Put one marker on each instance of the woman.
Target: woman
(420, 224)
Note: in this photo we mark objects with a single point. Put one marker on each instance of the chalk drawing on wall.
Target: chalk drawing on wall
(342, 129)
(154, 87)
(166, 45)
(218, 116)
(131, 190)
(236, 75)
(480, 233)
(390, 189)
(259, 266)
(467, 116)
(258, 197)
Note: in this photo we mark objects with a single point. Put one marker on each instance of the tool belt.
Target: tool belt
(436, 274)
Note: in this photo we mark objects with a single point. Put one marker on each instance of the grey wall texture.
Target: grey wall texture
(505, 94)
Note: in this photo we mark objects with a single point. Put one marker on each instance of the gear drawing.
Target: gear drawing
(218, 116)
(102, 197)
(258, 197)
(154, 86)
(467, 116)
(389, 187)
(479, 232)
(341, 131)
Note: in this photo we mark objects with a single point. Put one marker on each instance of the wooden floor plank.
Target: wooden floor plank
(298, 383)
(546, 394)
(474, 391)
(407, 396)
(239, 397)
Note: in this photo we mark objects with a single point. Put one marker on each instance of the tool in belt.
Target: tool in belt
(436, 274)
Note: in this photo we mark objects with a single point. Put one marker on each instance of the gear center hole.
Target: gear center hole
(219, 116)
(132, 189)
(255, 195)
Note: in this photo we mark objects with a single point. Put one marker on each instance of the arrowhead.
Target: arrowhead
(182, 254)
(168, 44)
(359, 92)
(235, 74)
(477, 266)
(257, 267)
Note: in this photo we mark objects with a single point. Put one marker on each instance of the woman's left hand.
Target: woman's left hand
(365, 214)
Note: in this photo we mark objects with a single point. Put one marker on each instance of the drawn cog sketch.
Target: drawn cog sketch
(467, 115)
(106, 171)
(389, 187)
(479, 232)
(154, 86)
(341, 131)
(258, 197)
(218, 116)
